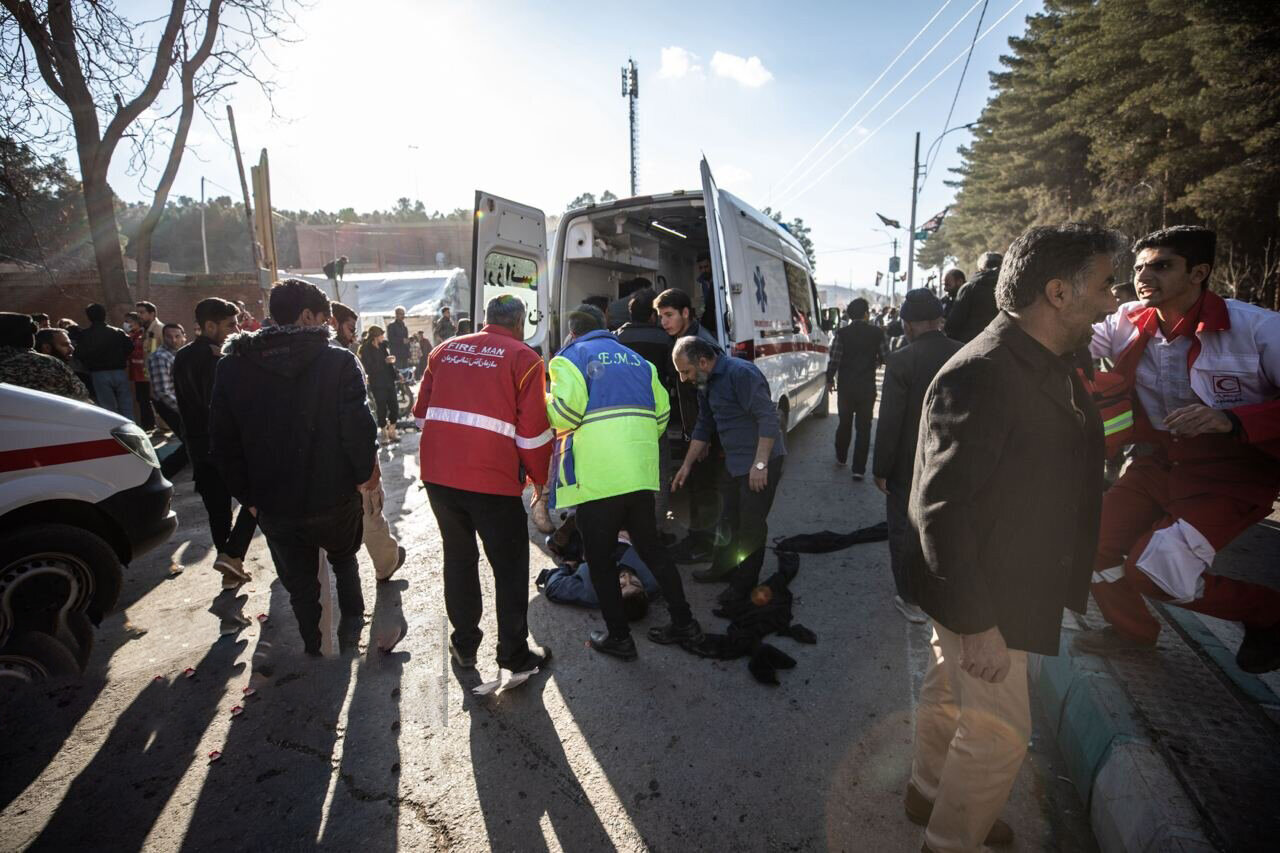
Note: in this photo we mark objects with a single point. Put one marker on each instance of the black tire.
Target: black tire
(404, 397)
(822, 409)
(35, 656)
(60, 550)
(784, 416)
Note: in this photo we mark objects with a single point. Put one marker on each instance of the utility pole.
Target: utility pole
(204, 240)
(893, 271)
(631, 91)
(911, 235)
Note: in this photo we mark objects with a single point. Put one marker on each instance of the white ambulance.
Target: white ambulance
(81, 495)
(767, 303)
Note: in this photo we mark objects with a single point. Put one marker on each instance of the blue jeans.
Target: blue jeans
(114, 391)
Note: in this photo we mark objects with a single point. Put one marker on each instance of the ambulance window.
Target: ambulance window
(511, 276)
(801, 301)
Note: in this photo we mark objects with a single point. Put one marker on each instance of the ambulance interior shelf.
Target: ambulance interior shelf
(625, 247)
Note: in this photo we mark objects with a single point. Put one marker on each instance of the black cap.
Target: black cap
(920, 305)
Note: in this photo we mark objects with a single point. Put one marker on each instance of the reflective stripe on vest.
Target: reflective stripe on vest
(1120, 422)
(472, 419)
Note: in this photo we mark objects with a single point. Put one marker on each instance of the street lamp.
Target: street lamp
(916, 188)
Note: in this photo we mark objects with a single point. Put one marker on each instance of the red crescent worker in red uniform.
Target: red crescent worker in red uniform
(484, 424)
(1205, 374)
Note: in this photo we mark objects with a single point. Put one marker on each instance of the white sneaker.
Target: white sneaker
(911, 612)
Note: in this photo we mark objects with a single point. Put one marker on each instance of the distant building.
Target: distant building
(378, 247)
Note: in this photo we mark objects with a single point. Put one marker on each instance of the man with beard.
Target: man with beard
(1004, 510)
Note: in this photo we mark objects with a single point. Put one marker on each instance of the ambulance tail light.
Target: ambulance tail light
(745, 349)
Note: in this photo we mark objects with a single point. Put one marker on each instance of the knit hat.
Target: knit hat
(920, 305)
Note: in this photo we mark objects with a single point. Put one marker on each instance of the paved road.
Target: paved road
(669, 753)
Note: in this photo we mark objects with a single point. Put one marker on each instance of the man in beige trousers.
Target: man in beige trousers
(1004, 509)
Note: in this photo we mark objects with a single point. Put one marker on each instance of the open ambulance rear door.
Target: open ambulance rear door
(509, 257)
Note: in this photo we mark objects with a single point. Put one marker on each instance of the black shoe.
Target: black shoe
(690, 552)
(533, 661)
(1260, 651)
(858, 478)
(665, 635)
(622, 648)
(462, 659)
(732, 595)
(712, 574)
(1107, 641)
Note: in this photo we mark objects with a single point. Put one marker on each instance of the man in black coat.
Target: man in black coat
(851, 373)
(975, 302)
(907, 375)
(1005, 509)
(294, 438)
(193, 370)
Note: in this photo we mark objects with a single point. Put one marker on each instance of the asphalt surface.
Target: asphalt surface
(392, 750)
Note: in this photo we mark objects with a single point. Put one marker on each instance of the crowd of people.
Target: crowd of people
(990, 450)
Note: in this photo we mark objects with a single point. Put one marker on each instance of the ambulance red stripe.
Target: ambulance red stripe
(59, 454)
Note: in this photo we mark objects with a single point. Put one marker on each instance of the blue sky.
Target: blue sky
(393, 98)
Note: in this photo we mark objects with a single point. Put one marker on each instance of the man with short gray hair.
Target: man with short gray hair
(1004, 512)
(734, 402)
(484, 431)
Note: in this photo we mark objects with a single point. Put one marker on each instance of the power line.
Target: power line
(879, 245)
(835, 145)
(874, 83)
(946, 124)
(904, 105)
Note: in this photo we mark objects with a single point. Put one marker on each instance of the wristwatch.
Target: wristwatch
(760, 466)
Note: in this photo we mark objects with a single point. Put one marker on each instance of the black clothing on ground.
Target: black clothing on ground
(745, 520)
(398, 341)
(599, 523)
(753, 620)
(907, 375)
(295, 545)
(142, 394)
(229, 539)
(651, 342)
(193, 370)
(103, 347)
(974, 307)
(826, 541)
(290, 423)
(501, 523)
(1007, 491)
(855, 403)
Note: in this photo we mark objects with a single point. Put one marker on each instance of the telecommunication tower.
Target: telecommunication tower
(631, 91)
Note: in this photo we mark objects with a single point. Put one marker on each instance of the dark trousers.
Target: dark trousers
(295, 544)
(899, 523)
(387, 407)
(704, 498)
(746, 516)
(177, 460)
(232, 540)
(856, 403)
(146, 417)
(599, 522)
(502, 525)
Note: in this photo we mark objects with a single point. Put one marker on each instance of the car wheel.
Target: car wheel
(35, 656)
(784, 416)
(52, 569)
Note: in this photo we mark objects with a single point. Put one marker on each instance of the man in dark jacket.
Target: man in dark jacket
(193, 371)
(975, 303)
(294, 438)
(907, 374)
(398, 339)
(851, 373)
(643, 335)
(1005, 506)
(952, 281)
(104, 352)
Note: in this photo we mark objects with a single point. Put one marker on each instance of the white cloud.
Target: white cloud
(748, 72)
(729, 175)
(678, 62)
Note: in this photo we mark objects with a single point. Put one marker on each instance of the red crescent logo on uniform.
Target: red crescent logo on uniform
(1226, 384)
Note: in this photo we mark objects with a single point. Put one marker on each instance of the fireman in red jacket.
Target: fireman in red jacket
(1205, 374)
(484, 431)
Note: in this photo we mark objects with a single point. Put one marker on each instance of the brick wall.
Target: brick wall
(386, 246)
(175, 296)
